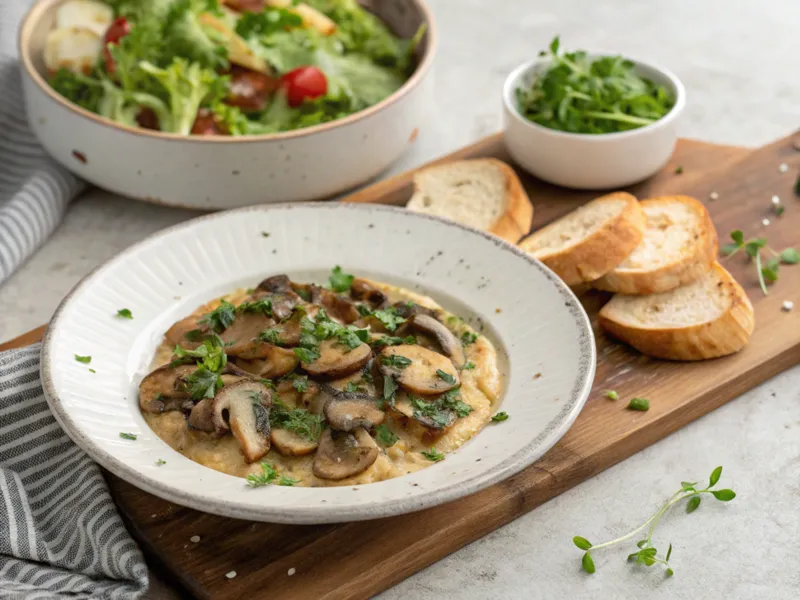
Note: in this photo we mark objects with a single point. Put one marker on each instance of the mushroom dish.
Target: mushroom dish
(349, 383)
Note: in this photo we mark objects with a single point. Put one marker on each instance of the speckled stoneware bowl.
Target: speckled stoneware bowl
(542, 334)
(227, 172)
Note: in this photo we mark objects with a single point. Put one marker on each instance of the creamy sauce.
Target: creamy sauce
(480, 388)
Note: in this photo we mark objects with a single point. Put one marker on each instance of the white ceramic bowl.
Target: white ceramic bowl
(590, 161)
(226, 172)
(541, 328)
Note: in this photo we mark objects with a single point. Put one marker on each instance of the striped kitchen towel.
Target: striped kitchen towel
(60, 534)
(34, 190)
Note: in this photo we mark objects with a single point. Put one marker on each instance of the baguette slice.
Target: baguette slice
(484, 193)
(707, 318)
(679, 246)
(590, 241)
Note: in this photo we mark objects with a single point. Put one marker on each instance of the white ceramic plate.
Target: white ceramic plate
(534, 320)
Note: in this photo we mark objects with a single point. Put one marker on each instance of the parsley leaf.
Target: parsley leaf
(446, 377)
(468, 366)
(642, 404)
(271, 336)
(127, 436)
(469, 337)
(300, 383)
(433, 455)
(160, 462)
(203, 383)
(386, 340)
(339, 280)
(500, 417)
(396, 361)
(124, 313)
(83, 359)
(306, 355)
(389, 317)
(263, 306)
(790, 256)
(297, 420)
(385, 436)
(220, 318)
(268, 475)
(352, 387)
(389, 390)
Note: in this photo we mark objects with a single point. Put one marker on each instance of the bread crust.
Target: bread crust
(726, 334)
(686, 269)
(516, 221)
(600, 252)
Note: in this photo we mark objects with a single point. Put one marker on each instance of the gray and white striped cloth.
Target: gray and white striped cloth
(34, 190)
(60, 534)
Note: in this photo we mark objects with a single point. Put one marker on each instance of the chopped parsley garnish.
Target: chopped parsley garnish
(297, 420)
(339, 280)
(124, 313)
(641, 404)
(433, 455)
(612, 395)
(500, 417)
(446, 377)
(211, 359)
(219, 319)
(127, 436)
(263, 306)
(352, 337)
(267, 382)
(385, 436)
(453, 401)
(300, 383)
(389, 317)
(389, 390)
(203, 383)
(83, 359)
(351, 387)
(267, 476)
(194, 335)
(160, 462)
(92, 371)
(387, 340)
(433, 411)
(468, 366)
(264, 234)
(306, 355)
(396, 361)
(469, 337)
(271, 336)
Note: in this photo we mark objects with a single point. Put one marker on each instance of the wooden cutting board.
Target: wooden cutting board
(358, 560)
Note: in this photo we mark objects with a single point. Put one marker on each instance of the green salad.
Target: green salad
(245, 67)
(578, 94)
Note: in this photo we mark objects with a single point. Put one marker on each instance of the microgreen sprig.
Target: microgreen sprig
(648, 554)
(767, 269)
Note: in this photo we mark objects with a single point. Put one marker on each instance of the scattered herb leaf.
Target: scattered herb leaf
(264, 234)
(468, 366)
(124, 313)
(790, 256)
(385, 436)
(500, 417)
(641, 404)
(611, 395)
(296, 420)
(160, 462)
(83, 359)
(219, 319)
(433, 455)
(389, 317)
(446, 377)
(127, 436)
(339, 280)
(92, 371)
(469, 337)
(678, 170)
(396, 361)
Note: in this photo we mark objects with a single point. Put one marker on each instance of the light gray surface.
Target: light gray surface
(739, 62)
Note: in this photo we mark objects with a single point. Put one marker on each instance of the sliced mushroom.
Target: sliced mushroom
(290, 443)
(277, 362)
(337, 360)
(201, 417)
(276, 283)
(162, 389)
(346, 411)
(363, 291)
(177, 333)
(341, 455)
(243, 408)
(291, 396)
(427, 373)
(449, 343)
(241, 337)
(340, 307)
(412, 309)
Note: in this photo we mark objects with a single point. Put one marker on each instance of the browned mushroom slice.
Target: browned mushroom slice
(363, 291)
(277, 362)
(341, 455)
(243, 408)
(290, 443)
(162, 389)
(346, 411)
(304, 397)
(412, 309)
(201, 416)
(418, 369)
(276, 284)
(449, 343)
(177, 333)
(241, 337)
(337, 360)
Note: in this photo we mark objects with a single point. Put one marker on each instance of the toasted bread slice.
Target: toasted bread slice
(679, 246)
(707, 318)
(484, 193)
(590, 241)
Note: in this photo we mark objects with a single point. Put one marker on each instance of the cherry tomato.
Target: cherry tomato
(206, 124)
(115, 32)
(250, 89)
(304, 82)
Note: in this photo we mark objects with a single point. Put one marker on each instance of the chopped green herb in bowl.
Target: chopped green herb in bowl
(580, 93)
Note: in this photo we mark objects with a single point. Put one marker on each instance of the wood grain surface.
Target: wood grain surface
(358, 560)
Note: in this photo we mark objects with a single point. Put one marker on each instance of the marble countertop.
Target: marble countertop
(739, 62)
